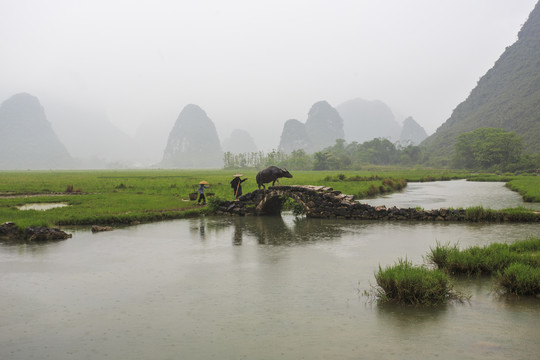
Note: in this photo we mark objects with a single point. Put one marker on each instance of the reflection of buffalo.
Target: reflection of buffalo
(271, 173)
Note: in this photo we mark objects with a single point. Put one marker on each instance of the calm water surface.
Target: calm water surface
(250, 288)
(456, 194)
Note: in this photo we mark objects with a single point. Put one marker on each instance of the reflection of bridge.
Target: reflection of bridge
(325, 202)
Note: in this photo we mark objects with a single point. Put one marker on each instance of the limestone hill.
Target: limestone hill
(506, 97)
(27, 140)
(322, 128)
(193, 141)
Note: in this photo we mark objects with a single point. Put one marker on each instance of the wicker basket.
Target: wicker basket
(193, 196)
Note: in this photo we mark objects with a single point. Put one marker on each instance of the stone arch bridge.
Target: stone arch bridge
(325, 202)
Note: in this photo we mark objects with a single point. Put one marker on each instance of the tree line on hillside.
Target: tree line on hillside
(481, 149)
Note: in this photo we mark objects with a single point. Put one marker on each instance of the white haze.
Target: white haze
(251, 65)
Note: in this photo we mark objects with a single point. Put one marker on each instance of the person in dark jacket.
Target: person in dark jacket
(236, 185)
(200, 190)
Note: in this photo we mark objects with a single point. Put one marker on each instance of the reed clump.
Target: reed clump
(517, 214)
(479, 213)
(515, 266)
(405, 283)
(520, 279)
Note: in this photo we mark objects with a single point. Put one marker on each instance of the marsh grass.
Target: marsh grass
(479, 213)
(514, 265)
(517, 214)
(485, 260)
(520, 279)
(530, 244)
(405, 283)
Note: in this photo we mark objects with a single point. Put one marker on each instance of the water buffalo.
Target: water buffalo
(271, 173)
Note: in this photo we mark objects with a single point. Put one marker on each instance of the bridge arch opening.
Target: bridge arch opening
(273, 205)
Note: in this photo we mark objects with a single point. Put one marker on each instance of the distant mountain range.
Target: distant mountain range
(27, 140)
(240, 141)
(506, 97)
(322, 128)
(355, 120)
(365, 120)
(91, 137)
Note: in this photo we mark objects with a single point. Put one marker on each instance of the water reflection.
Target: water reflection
(34, 249)
(252, 288)
(268, 230)
(197, 228)
(404, 317)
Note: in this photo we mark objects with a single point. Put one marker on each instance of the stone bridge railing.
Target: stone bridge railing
(325, 202)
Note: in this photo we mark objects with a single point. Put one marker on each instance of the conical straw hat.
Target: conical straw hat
(203, 182)
(238, 175)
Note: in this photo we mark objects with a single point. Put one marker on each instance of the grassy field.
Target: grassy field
(124, 196)
(527, 186)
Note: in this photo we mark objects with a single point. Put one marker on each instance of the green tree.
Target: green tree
(486, 148)
(325, 161)
(299, 160)
(411, 155)
(381, 151)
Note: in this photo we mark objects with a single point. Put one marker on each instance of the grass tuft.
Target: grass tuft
(501, 260)
(405, 283)
(520, 279)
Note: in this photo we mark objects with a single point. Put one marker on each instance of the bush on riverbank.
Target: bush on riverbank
(515, 265)
(405, 283)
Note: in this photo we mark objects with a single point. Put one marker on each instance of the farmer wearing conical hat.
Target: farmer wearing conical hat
(236, 185)
(200, 190)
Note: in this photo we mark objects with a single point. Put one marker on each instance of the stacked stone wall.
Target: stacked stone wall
(325, 202)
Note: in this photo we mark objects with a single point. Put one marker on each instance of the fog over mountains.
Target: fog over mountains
(240, 141)
(112, 79)
(91, 137)
(507, 97)
(27, 140)
(81, 137)
(355, 120)
(365, 120)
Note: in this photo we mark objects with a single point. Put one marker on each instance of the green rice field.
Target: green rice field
(127, 196)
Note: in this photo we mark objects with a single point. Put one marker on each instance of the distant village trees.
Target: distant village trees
(340, 156)
(481, 149)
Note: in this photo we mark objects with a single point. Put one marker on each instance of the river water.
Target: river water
(251, 288)
(456, 194)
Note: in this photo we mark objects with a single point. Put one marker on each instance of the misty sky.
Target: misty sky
(252, 64)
